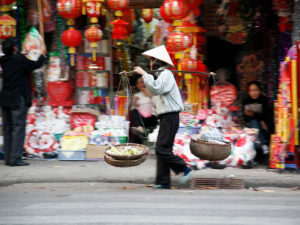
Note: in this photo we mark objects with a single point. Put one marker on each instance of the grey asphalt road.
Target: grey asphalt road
(101, 203)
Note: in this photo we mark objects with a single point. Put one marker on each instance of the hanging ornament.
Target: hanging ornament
(118, 6)
(188, 64)
(119, 31)
(7, 27)
(4, 5)
(163, 15)
(147, 15)
(93, 35)
(92, 8)
(178, 41)
(71, 38)
(176, 9)
(69, 9)
(129, 16)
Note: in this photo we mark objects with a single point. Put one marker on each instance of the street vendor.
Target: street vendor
(257, 113)
(168, 106)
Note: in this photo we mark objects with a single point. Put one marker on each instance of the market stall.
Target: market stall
(82, 103)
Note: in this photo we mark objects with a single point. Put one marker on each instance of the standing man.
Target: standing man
(15, 99)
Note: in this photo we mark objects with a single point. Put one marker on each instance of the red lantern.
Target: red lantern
(93, 35)
(119, 31)
(93, 9)
(7, 27)
(129, 16)
(179, 41)
(147, 15)
(118, 5)
(69, 9)
(176, 9)
(4, 5)
(188, 64)
(71, 38)
(163, 15)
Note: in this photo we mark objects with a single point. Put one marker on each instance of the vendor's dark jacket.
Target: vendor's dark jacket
(266, 112)
(16, 78)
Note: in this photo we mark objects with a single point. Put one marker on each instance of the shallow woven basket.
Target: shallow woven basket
(124, 162)
(210, 151)
(142, 148)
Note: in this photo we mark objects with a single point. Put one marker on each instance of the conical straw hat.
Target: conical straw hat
(159, 53)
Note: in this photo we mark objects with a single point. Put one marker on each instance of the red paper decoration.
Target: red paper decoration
(179, 41)
(176, 9)
(119, 30)
(163, 15)
(69, 9)
(147, 15)
(93, 9)
(61, 93)
(71, 38)
(118, 5)
(93, 35)
(188, 64)
(7, 2)
(129, 16)
(7, 27)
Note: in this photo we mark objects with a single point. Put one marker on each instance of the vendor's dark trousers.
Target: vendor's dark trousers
(166, 159)
(14, 122)
(137, 120)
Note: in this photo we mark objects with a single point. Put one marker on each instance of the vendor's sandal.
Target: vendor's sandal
(161, 186)
(187, 174)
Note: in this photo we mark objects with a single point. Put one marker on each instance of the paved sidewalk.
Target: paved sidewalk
(53, 171)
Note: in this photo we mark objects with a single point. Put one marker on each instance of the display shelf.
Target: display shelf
(91, 88)
(103, 71)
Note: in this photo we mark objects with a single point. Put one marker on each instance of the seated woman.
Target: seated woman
(257, 113)
(142, 111)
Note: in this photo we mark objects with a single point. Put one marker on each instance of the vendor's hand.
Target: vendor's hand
(43, 50)
(212, 73)
(24, 52)
(264, 126)
(139, 70)
(249, 113)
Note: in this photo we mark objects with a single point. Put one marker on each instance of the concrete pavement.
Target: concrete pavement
(53, 171)
(135, 204)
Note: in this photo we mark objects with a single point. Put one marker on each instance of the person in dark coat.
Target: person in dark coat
(257, 113)
(15, 99)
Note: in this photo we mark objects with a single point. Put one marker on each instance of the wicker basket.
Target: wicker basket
(142, 148)
(210, 151)
(125, 162)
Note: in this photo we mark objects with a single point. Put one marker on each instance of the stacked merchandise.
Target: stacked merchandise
(286, 137)
(221, 122)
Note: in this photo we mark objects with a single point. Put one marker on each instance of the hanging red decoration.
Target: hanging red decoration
(7, 27)
(69, 9)
(188, 64)
(176, 9)
(71, 38)
(129, 17)
(179, 41)
(118, 6)
(92, 8)
(4, 5)
(147, 15)
(119, 31)
(93, 35)
(163, 15)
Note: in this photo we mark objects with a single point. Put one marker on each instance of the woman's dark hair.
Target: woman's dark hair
(133, 80)
(255, 83)
(157, 64)
(8, 46)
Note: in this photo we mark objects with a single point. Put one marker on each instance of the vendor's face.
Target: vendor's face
(254, 91)
(151, 64)
(140, 84)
